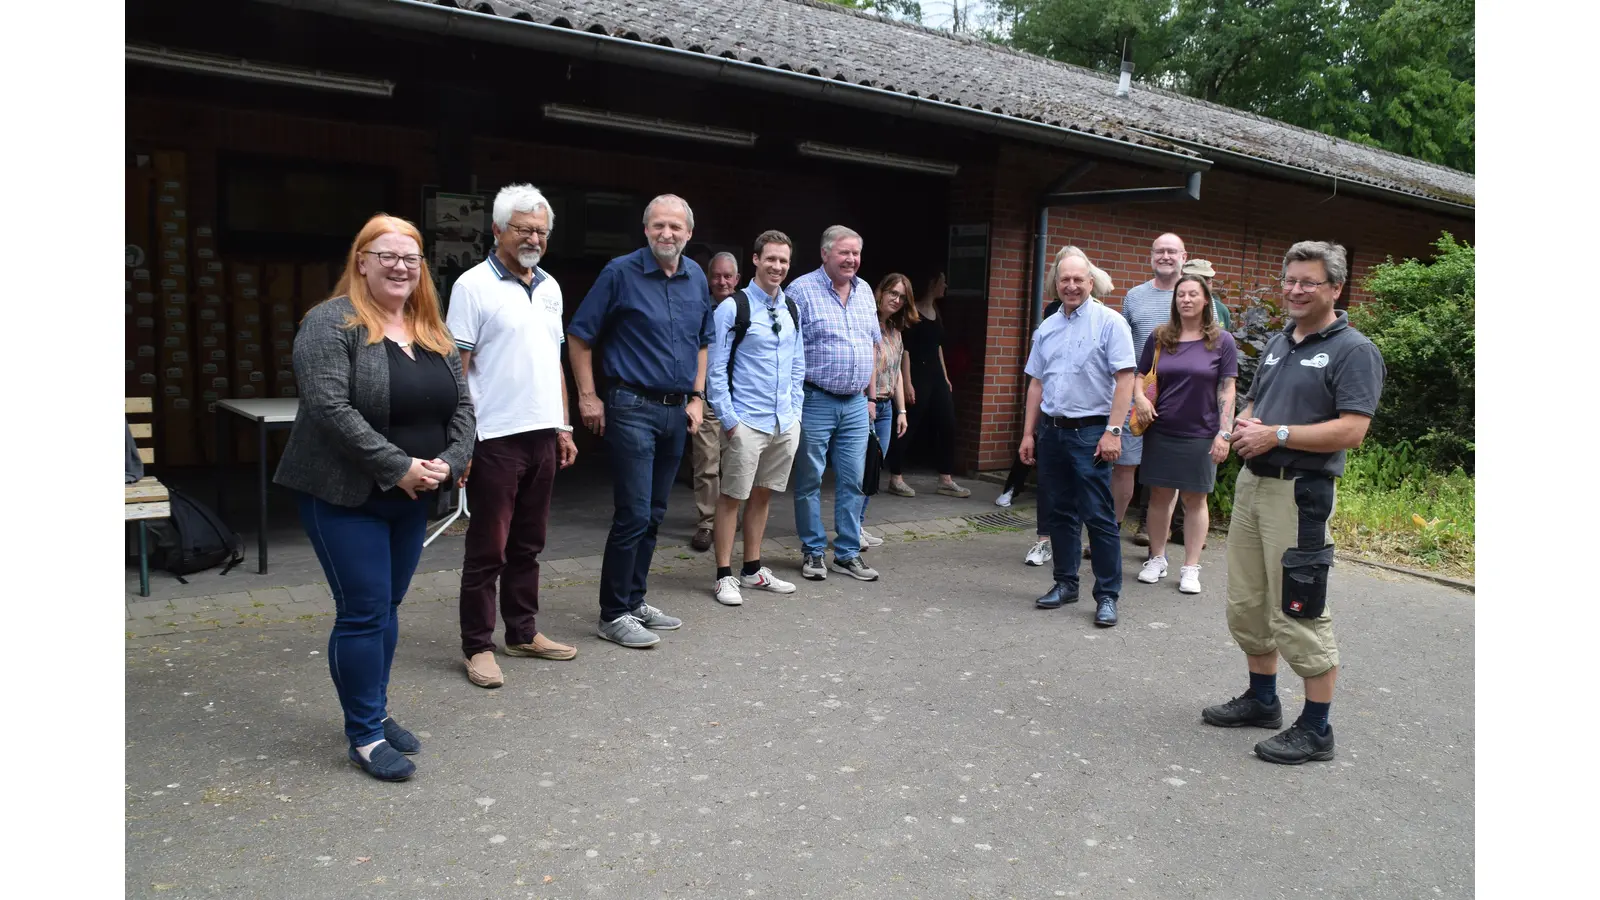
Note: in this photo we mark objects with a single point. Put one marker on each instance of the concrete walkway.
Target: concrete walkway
(929, 735)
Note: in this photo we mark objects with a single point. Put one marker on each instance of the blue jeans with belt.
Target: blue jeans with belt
(644, 440)
(1079, 495)
(369, 553)
(831, 427)
(883, 427)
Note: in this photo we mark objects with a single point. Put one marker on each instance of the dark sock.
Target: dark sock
(724, 571)
(1315, 716)
(751, 566)
(1265, 688)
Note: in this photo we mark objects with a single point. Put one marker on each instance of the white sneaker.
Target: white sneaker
(868, 539)
(727, 591)
(1189, 579)
(764, 580)
(1004, 500)
(1155, 569)
(1040, 554)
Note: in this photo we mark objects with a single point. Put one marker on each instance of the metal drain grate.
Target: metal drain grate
(1000, 520)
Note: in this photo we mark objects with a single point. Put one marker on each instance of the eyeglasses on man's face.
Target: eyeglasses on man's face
(1290, 284)
(525, 232)
(388, 260)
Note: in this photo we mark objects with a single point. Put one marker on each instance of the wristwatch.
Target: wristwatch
(566, 428)
(1114, 430)
(1283, 435)
(698, 394)
(1226, 436)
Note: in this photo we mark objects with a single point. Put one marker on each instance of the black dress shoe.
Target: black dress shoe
(1059, 594)
(400, 738)
(1105, 613)
(386, 763)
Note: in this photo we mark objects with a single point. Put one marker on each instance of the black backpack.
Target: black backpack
(194, 539)
(741, 325)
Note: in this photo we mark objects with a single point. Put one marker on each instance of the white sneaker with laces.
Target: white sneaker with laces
(1004, 500)
(764, 580)
(1155, 569)
(1189, 579)
(868, 539)
(727, 591)
(1040, 554)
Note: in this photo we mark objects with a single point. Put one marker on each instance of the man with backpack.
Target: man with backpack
(755, 377)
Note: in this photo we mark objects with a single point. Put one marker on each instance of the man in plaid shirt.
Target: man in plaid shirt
(840, 328)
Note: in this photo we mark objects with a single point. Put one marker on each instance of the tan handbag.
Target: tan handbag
(1149, 392)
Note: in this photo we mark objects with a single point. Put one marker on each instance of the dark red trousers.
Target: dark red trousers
(508, 494)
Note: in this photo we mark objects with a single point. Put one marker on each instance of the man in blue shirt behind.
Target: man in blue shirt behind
(649, 310)
(754, 382)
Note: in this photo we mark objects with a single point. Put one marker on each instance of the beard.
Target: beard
(528, 257)
(666, 254)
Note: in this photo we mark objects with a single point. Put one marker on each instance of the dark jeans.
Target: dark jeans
(644, 440)
(1079, 496)
(369, 554)
(1017, 480)
(509, 494)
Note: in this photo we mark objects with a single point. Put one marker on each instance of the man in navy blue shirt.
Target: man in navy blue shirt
(649, 310)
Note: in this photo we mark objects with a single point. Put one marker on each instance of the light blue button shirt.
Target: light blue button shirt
(769, 370)
(1077, 357)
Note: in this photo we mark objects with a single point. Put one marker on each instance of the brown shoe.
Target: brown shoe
(542, 648)
(701, 542)
(483, 671)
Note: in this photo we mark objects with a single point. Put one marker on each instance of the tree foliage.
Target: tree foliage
(910, 10)
(1397, 74)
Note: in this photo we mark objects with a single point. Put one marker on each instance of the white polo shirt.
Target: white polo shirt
(514, 333)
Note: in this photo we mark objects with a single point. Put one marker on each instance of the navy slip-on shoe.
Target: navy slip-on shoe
(386, 763)
(400, 738)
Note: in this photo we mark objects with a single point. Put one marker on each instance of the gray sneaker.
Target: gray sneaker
(628, 631)
(655, 619)
(855, 568)
(812, 567)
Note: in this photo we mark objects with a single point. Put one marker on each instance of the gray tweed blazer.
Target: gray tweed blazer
(338, 447)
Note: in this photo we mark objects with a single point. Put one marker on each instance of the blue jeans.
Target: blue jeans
(883, 427)
(644, 441)
(369, 554)
(1079, 495)
(831, 428)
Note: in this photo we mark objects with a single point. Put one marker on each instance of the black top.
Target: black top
(1336, 370)
(422, 398)
(922, 342)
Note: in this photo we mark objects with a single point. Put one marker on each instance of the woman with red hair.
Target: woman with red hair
(384, 418)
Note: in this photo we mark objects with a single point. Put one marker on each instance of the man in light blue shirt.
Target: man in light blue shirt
(755, 378)
(1081, 370)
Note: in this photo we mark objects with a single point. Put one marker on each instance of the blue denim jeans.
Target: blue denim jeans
(1079, 495)
(883, 427)
(369, 554)
(644, 441)
(832, 429)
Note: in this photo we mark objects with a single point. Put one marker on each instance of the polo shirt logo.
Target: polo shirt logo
(1320, 361)
(1271, 360)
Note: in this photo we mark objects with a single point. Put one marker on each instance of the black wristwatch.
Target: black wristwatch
(700, 394)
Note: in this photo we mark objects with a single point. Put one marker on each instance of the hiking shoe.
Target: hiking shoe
(701, 542)
(386, 763)
(541, 647)
(1040, 554)
(1004, 500)
(1155, 569)
(1297, 745)
(656, 620)
(901, 489)
(870, 540)
(855, 568)
(1244, 709)
(812, 567)
(628, 631)
(764, 580)
(399, 738)
(726, 590)
(1141, 537)
(1189, 579)
(483, 671)
(954, 490)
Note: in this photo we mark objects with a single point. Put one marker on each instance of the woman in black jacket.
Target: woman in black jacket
(384, 418)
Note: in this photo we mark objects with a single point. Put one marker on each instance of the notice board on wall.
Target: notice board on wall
(968, 272)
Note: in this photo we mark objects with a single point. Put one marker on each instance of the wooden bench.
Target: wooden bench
(146, 498)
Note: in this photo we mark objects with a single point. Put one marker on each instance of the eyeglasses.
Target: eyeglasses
(388, 260)
(524, 232)
(1290, 284)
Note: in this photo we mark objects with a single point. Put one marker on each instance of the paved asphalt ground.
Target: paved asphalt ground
(930, 735)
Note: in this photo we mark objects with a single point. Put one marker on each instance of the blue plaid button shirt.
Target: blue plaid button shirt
(839, 338)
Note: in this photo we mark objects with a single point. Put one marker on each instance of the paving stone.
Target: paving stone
(142, 608)
(310, 592)
(191, 627)
(235, 599)
(590, 562)
(271, 596)
(564, 566)
(149, 627)
(889, 528)
(197, 604)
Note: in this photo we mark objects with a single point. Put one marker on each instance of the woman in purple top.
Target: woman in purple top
(1195, 364)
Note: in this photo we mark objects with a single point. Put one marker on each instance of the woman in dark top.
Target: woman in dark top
(384, 418)
(933, 413)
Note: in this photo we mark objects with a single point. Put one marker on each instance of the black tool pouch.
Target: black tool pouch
(1306, 565)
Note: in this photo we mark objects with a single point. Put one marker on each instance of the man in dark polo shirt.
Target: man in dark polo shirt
(649, 310)
(1312, 399)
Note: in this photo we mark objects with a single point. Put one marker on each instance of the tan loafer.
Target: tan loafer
(543, 648)
(483, 671)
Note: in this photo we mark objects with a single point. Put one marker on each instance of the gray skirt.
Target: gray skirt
(1181, 463)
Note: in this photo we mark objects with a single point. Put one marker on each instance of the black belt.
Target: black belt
(655, 396)
(1085, 422)
(1262, 470)
(812, 386)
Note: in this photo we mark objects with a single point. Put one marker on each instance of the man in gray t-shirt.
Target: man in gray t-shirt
(1145, 306)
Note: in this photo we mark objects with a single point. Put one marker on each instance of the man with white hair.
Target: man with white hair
(705, 445)
(650, 308)
(505, 316)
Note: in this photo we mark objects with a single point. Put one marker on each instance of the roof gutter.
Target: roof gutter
(1289, 172)
(447, 21)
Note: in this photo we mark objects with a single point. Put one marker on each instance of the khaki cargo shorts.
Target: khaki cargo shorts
(1266, 523)
(752, 458)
